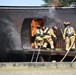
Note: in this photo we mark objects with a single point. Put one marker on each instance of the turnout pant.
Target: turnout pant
(70, 41)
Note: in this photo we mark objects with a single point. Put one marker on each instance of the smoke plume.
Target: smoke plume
(9, 36)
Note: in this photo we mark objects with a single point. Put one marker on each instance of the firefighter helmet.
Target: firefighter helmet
(54, 27)
(67, 23)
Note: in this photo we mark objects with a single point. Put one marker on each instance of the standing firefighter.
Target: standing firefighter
(48, 33)
(69, 36)
(38, 39)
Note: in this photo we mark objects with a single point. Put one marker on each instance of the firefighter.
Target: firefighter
(48, 33)
(38, 39)
(69, 36)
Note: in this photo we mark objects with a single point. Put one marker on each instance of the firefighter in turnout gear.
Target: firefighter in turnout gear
(69, 36)
(38, 39)
(48, 33)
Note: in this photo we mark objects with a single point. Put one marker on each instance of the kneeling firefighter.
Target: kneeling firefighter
(39, 34)
(69, 36)
(48, 33)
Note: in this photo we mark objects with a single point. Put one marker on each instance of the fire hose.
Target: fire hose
(75, 55)
(67, 51)
(73, 59)
(33, 56)
(37, 53)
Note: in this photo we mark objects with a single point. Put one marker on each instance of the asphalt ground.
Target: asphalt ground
(38, 68)
(40, 72)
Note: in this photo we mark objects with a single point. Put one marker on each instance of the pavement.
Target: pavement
(38, 68)
(41, 72)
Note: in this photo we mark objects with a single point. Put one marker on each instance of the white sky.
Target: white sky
(21, 2)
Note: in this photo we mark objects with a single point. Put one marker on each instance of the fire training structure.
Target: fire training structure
(17, 27)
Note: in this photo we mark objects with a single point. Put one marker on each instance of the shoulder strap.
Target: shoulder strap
(46, 30)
